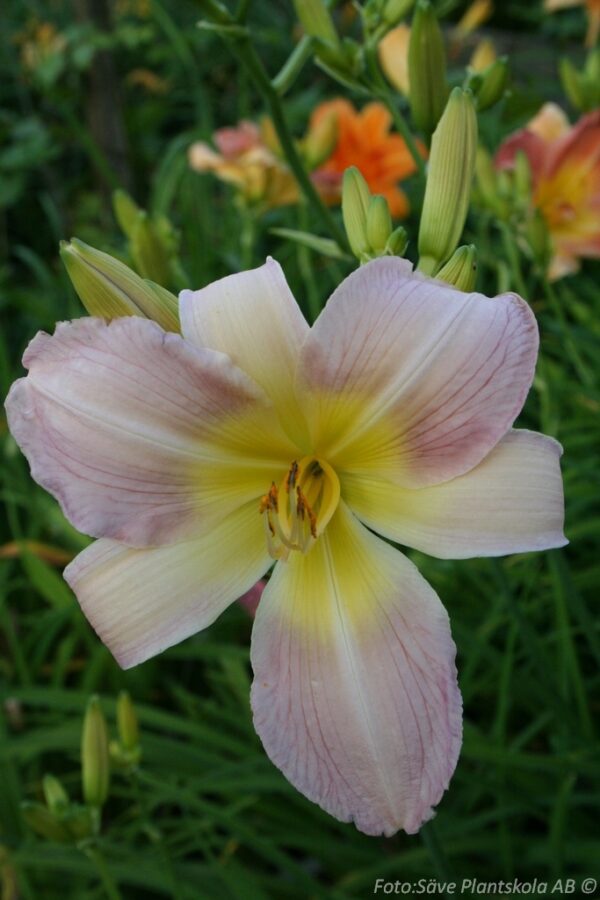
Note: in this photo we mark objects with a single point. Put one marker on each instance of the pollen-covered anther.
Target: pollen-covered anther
(297, 513)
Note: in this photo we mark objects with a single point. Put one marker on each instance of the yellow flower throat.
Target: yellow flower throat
(297, 511)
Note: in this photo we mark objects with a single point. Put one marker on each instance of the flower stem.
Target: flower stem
(109, 884)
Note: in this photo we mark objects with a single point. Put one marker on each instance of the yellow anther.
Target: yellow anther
(297, 514)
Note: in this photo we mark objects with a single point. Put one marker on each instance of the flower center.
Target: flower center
(296, 511)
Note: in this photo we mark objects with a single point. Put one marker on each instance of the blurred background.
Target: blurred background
(99, 95)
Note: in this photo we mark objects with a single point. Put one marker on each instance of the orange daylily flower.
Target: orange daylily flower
(565, 168)
(243, 159)
(364, 141)
(592, 8)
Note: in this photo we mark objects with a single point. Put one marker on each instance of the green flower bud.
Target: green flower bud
(397, 242)
(126, 212)
(426, 68)
(108, 288)
(95, 769)
(591, 70)
(316, 20)
(55, 795)
(81, 822)
(395, 10)
(522, 179)
(493, 84)
(461, 268)
(379, 224)
(356, 198)
(127, 722)
(41, 820)
(449, 177)
(571, 82)
(538, 238)
(320, 141)
(152, 248)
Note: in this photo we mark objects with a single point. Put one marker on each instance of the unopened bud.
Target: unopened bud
(394, 11)
(461, 268)
(110, 289)
(152, 248)
(426, 68)
(41, 820)
(393, 57)
(356, 198)
(316, 20)
(449, 177)
(572, 83)
(320, 140)
(126, 211)
(538, 238)
(95, 768)
(522, 179)
(379, 224)
(493, 84)
(397, 242)
(55, 795)
(484, 55)
(127, 722)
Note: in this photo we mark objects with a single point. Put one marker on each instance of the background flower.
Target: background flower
(565, 168)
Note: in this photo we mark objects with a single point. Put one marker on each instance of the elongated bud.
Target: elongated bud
(461, 268)
(320, 141)
(522, 176)
(127, 723)
(55, 795)
(95, 769)
(126, 211)
(493, 84)
(110, 289)
(484, 55)
(379, 224)
(394, 11)
(538, 238)
(316, 20)
(448, 189)
(356, 198)
(426, 68)
(41, 820)
(572, 83)
(397, 242)
(151, 249)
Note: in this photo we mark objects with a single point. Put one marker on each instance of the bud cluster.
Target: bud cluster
(367, 220)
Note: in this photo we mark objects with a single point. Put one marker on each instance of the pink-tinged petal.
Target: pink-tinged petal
(142, 601)
(409, 379)
(253, 318)
(142, 437)
(532, 145)
(512, 502)
(578, 150)
(355, 695)
(251, 598)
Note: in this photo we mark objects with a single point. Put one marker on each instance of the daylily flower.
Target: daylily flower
(364, 141)
(565, 168)
(592, 8)
(198, 460)
(245, 161)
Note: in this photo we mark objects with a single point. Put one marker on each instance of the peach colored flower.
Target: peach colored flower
(245, 161)
(364, 141)
(200, 460)
(565, 167)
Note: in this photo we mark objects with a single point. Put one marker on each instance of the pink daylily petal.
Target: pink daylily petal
(512, 502)
(411, 380)
(355, 695)
(136, 432)
(253, 318)
(142, 601)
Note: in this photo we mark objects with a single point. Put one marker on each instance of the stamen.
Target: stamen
(312, 491)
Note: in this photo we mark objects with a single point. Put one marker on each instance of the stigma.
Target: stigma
(297, 511)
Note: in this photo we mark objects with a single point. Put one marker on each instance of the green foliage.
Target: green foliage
(196, 810)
